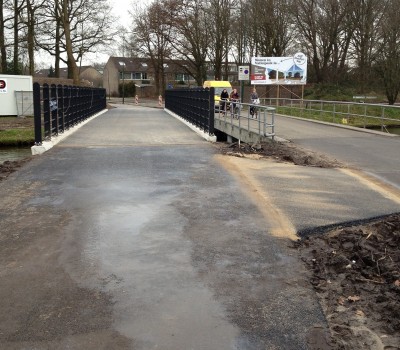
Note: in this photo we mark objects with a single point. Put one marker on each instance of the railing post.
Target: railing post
(60, 103)
(211, 114)
(67, 106)
(54, 109)
(37, 114)
(46, 111)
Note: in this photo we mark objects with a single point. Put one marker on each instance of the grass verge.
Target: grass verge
(16, 132)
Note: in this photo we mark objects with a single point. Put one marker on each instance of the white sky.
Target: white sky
(121, 10)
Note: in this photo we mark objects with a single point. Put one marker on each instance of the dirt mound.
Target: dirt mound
(283, 152)
(356, 274)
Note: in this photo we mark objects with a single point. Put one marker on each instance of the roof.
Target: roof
(63, 71)
(138, 64)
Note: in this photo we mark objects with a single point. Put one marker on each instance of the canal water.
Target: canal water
(394, 130)
(391, 130)
(12, 154)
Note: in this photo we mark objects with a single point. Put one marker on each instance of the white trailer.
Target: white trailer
(9, 84)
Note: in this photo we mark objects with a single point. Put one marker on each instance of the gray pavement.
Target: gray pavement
(133, 233)
(373, 153)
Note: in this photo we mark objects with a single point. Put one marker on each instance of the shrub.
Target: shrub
(130, 89)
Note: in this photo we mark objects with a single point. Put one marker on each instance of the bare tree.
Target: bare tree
(323, 28)
(388, 63)
(3, 22)
(270, 27)
(73, 29)
(219, 15)
(367, 18)
(63, 12)
(152, 39)
(240, 33)
(31, 22)
(18, 8)
(189, 36)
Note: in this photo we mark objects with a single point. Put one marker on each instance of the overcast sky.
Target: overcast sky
(120, 9)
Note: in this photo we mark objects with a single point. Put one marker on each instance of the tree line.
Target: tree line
(346, 41)
(65, 29)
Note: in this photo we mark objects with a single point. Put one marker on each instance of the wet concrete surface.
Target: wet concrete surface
(133, 234)
(13, 153)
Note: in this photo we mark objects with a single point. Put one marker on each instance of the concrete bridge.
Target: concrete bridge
(135, 233)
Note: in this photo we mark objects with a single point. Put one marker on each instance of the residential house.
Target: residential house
(232, 72)
(141, 72)
(87, 74)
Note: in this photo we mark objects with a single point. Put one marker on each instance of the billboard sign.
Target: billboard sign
(3, 86)
(279, 70)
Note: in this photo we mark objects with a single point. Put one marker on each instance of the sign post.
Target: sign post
(244, 75)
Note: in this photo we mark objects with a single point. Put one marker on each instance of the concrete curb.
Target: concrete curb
(368, 131)
(46, 145)
(191, 126)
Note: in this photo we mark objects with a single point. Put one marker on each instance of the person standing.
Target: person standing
(255, 101)
(224, 99)
(234, 98)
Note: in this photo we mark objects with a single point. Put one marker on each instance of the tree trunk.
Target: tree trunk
(3, 53)
(72, 66)
(16, 38)
(57, 43)
(31, 36)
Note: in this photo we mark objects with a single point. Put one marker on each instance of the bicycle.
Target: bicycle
(254, 108)
(235, 108)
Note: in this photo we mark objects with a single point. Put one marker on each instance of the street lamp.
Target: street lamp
(123, 82)
(108, 84)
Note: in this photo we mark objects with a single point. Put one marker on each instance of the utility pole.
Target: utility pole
(123, 69)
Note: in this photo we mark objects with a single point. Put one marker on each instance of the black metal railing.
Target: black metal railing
(194, 105)
(58, 108)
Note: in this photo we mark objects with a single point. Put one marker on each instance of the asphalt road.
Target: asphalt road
(131, 234)
(134, 233)
(375, 154)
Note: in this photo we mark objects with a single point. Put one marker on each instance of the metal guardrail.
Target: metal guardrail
(194, 105)
(364, 115)
(257, 119)
(24, 100)
(198, 107)
(58, 108)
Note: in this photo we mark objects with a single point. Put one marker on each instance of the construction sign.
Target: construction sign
(279, 70)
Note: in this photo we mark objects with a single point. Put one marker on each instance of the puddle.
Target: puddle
(13, 154)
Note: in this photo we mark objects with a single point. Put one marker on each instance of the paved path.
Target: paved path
(373, 153)
(134, 233)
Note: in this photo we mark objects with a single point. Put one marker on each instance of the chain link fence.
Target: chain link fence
(24, 100)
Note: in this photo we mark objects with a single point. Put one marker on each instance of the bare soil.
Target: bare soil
(7, 123)
(355, 270)
(281, 152)
(356, 274)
